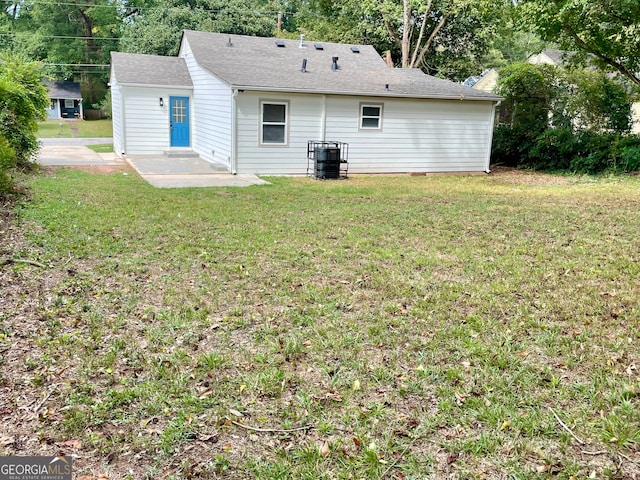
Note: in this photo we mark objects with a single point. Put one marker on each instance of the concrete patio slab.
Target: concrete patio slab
(74, 155)
(58, 141)
(203, 180)
(170, 172)
(162, 165)
(158, 170)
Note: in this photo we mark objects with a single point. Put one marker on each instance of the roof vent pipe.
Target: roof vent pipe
(334, 65)
(304, 65)
(229, 44)
(386, 87)
(302, 45)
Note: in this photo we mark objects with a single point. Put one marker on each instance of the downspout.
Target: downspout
(490, 137)
(233, 163)
(323, 119)
(123, 131)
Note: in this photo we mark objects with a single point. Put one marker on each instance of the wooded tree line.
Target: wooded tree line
(449, 38)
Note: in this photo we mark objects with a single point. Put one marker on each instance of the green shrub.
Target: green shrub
(626, 154)
(23, 101)
(560, 149)
(552, 150)
(510, 146)
(592, 153)
(7, 162)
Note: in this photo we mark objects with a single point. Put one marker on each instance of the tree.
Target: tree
(606, 29)
(442, 37)
(23, 101)
(70, 37)
(538, 97)
(529, 94)
(157, 28)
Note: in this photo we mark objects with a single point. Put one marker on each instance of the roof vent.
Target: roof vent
(280, 43)
(229, 44)
(319, 46)
(302, 45)
(386, 87)
(334, 65)
(304, 66)
(355, 49)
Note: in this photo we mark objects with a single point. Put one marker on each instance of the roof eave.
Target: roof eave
(150, 85)
(366, 94)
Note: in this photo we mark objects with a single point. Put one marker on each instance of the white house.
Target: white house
(253, 104)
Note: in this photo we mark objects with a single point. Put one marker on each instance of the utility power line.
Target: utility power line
(63, 37)
(76, 64)
(155, 7)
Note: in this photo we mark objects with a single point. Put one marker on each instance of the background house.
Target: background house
(253, 104)
(486, 81)
(65, 98)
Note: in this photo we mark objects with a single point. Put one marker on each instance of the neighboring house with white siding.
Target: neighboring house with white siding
(252, 104)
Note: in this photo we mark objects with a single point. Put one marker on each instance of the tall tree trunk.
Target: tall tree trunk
(406, 33)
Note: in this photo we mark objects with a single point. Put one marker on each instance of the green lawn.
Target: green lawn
(101, 147)
(86, 128)
(378, 327)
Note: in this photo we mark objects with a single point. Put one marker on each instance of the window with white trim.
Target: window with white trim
(370, 116)
(69, 103)
(273, 123)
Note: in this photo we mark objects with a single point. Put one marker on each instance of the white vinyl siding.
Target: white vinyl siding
(210, 112)
(304, 124)
(146, 122)
(418, 135)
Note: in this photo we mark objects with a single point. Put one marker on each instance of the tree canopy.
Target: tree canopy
(609, 30)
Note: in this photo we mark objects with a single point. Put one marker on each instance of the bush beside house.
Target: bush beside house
(23, 101)
(562, 120)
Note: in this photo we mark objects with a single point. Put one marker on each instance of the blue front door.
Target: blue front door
(179, 113)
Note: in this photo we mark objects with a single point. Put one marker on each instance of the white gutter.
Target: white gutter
(490, 139)
(123, 131)
(234, 119)
(148, 85)
(493, 98)
(323, 119)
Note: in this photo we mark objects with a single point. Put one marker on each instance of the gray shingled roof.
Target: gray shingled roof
(134, 68)
(255, 63)
(558, 57)
(60, 90)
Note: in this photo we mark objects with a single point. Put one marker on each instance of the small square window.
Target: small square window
(68, 103)
(273, 123)
(370, 117)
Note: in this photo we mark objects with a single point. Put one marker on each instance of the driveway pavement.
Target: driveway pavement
(159, 171)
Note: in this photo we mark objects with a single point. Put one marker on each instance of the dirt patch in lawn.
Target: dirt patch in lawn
(526, 177)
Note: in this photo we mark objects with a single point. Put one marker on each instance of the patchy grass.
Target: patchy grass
(85, 128)
(101, 147)
(379, 327)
